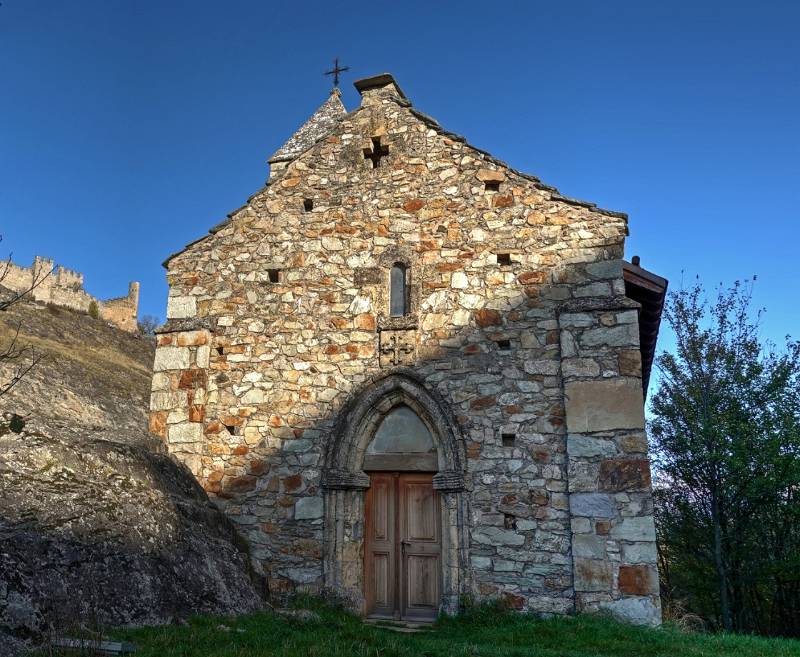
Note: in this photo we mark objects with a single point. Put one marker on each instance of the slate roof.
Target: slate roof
(318, 125)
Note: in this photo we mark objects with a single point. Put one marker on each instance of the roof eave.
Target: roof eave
(650, 291)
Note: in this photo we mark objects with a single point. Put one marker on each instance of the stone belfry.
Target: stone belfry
(410, 373)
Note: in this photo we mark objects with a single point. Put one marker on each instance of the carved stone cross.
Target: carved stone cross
(376, 152)
(395, 348)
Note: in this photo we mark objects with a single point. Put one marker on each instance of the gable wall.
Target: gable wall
(292, 352)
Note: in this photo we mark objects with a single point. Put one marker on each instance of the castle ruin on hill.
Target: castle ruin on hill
(64, 287)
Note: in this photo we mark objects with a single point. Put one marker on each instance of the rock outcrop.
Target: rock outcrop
(95, 524)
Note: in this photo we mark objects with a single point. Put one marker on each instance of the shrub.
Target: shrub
(94, 310)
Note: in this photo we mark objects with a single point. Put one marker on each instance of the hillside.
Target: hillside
(93, 376)
(95, 523)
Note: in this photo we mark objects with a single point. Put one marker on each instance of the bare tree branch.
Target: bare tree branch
(14, 296)
(22, 357)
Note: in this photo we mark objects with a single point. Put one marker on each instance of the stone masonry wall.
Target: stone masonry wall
(64, 287)
(250, 374)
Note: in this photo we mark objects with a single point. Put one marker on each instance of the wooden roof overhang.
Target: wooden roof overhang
(649, 290)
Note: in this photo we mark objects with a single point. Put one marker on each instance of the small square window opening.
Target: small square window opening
(492, 185)
(504, 259)
(509, 439)
(308, 205)
(274, 275)
(504, 345)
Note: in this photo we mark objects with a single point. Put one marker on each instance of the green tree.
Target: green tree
(726, 443)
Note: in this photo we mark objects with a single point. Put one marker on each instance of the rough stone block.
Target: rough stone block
(626, 335)
(181, 307)
(481, 563)
(588, 546)
(642, 611)
(188, 432)
(484, 318)
(635, 529)
(593, 505)
(580, 367)
(639, 552)
(592, 575)
(586, 447)
(630, 362)
(624, 475)
(157, 423)
(604, 405)
(172, 358)
(638, 580)
(490, 175)
(203, 356)
(192, 338)
(308, 508)
(497, 536)
(605, 269)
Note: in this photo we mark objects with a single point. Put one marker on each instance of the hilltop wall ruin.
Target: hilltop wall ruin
(64, 287)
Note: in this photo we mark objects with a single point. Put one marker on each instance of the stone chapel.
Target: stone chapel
(412, 375)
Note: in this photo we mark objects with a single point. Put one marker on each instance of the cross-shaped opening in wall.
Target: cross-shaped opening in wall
(376, 152)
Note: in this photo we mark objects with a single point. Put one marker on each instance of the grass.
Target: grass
(482, 632)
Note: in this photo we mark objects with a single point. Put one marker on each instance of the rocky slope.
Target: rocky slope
(95, 524)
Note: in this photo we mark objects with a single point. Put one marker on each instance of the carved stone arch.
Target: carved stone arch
(361, 415)
(345, 482)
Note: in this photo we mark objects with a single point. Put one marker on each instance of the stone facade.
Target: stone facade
(519, 349)
(64, 287)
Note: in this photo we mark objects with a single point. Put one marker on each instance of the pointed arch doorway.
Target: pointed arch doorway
(403, 541)
(395, 530)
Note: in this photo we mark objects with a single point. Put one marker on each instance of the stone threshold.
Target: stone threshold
(404, 627)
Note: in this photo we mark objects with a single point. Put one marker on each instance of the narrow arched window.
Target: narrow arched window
(398, 298)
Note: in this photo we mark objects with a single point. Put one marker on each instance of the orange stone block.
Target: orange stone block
(637, 580)
(532, 277)
(365, 321)
(487, 317)
(292, 483)
(482, 403)
(412, 205)
(259, 467)
(197, 413)
(193, 339)
(157, 423)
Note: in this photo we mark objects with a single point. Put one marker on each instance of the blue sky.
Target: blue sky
(128, 128)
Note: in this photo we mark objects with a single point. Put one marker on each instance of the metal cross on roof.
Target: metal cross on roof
(336, 70)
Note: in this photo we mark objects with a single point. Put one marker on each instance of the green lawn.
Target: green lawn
(484, 632)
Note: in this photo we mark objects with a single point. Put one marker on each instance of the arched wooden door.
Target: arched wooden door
(403, 546)
(403, 541)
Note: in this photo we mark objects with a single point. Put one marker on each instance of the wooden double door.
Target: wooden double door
(403, 547)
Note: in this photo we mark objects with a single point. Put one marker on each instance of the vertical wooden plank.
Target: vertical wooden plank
(380, 562)
(421, 547)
